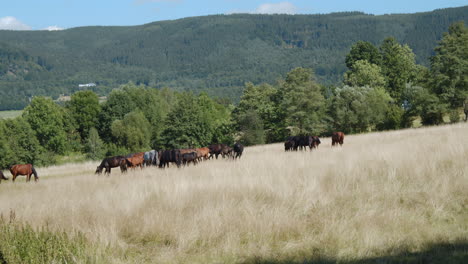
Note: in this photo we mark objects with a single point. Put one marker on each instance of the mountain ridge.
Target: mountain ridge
(216, 53)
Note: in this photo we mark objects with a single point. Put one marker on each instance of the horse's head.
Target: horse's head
(98, 170)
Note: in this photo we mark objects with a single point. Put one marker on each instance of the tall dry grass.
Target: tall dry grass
(380, 194)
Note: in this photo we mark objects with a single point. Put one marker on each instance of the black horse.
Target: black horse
(112, 162)
(238, 149)
(168, 156)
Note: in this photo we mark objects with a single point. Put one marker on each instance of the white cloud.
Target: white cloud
(53, 28)
(276, 8)
(11, 23)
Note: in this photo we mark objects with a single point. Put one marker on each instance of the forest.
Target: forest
(383, 88)
(216, 54)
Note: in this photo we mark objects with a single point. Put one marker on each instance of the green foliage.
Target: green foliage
(262, 99)
(301, 102)
(84, 109)
(398, 66)
(359, 109)
(193, 121)
(423, 103)
(132, 132)
(251, 128)
(363, 51)
(214, 54)
(23, 244)
(449, 66)
(7, 155)
(22, 143)
(46, 119)
(364, 73)
(94, 148)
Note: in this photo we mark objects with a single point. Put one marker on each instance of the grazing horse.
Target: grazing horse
(315, 142)
(112, 162)
(203, 153)
(23, 169)
(135, 160)
(215, 150)
(289, 145)
(2, 177)
(238, 149)
(337, 138)
(151, 158)
(168, 156)
(189, 157)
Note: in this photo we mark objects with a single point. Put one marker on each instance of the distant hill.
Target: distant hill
(217, 54)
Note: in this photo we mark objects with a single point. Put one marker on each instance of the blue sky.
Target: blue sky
(59, 14)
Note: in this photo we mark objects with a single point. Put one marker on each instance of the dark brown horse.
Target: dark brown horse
(23, 169)
(2, 177)
(337, 138)
(112, 162)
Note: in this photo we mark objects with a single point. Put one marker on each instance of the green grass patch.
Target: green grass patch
(20, 243)
(10, 114)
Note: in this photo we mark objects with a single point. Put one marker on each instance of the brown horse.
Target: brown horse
(2, 177)
(112, 162)
(337, 138)
(135, 160)
(23, 169)
(203, 153)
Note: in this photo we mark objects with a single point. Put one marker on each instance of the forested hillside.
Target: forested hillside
(217, 54)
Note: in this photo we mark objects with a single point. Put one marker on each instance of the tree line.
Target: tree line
(384, 88)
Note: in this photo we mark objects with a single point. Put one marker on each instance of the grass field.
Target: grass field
(10, 114)
(390, 197)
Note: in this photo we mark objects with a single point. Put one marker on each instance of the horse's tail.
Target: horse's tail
(34, 172)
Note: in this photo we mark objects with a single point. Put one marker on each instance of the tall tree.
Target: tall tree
(359, 109)
(46, 119)
(301, 102)
(84, 109)
(398, 66)
(132, 132)
(449, 66)
(24, 146)
(365, 73)
(363, 50)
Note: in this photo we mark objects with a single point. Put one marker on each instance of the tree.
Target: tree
(449, 66)
(363, 50)
(193, 121)
(261, 100)
(84, 109)
(46, 119)
(95, 148)
(364, 73)
(132, 132)
(6, 157)
(251, 128)
(422, 102)
(359, 109)
(398, 66)
(301, 102)
(22, 142)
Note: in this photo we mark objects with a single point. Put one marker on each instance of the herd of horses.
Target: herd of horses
(295, 143)
(163, 158)
(179, 157)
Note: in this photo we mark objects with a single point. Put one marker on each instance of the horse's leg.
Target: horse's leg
(28, 177)
(14, 177)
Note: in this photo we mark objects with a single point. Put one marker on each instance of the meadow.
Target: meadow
(388, 197)
(10, 114)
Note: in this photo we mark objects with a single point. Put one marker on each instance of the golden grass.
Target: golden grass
(379, 194)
